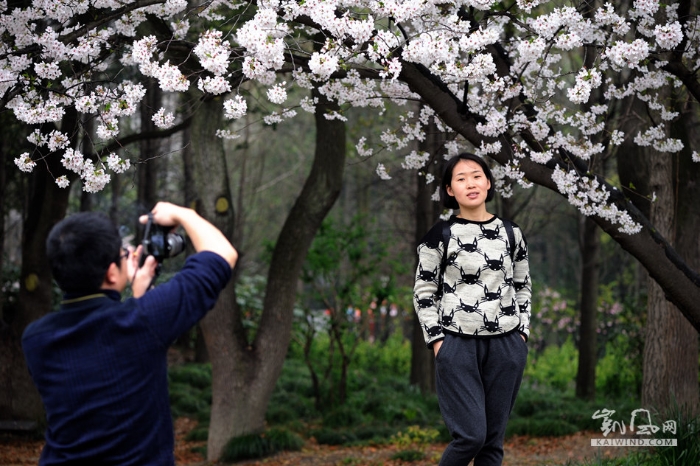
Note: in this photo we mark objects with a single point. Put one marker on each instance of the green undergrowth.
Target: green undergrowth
(382, 407)
(542, 411)
(685, 453)
(260, 445)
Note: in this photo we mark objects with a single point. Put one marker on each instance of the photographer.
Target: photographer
(99, 363)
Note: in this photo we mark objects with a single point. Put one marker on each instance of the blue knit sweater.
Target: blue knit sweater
(100, 366)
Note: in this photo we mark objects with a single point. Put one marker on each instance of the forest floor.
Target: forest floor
(16, 450)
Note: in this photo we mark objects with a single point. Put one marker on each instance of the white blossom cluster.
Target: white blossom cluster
(542, 93)
(589, 196)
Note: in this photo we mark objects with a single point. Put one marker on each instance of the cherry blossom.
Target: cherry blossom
(277, 94)
(516, 75)
(381, 171)
(163, 119)
(235, 108)
(25, 163)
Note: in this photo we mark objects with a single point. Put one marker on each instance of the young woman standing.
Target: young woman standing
(472, 295)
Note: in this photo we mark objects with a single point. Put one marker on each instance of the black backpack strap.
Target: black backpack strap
(511, 237)
(446, 235)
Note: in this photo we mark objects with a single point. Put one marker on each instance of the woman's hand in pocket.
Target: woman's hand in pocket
(436, 347)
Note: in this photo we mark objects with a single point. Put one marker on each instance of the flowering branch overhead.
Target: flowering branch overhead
(535, 83)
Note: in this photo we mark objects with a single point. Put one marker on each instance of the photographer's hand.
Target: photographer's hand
(141, 278)
(204, 235)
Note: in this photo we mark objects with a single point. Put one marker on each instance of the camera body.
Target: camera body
(159, 242)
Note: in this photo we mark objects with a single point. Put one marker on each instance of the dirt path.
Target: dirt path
(520, 451)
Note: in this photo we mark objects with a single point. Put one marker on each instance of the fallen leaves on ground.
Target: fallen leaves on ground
(17, 450)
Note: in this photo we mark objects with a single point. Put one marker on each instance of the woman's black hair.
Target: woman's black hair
(80, 249)
(449, 201)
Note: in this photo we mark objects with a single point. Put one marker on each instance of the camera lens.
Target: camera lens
(176, 244)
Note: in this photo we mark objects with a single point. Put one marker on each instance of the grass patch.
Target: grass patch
(408, 456)
(327, 436)
(198, 434)
(260, 445)
(190, 391)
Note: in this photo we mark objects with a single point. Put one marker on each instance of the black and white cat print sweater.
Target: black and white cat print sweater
(485, 294)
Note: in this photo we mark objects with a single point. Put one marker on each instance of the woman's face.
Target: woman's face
(469, 184)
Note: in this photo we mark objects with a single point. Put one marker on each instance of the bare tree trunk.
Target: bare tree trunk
(115, 195)
(244, 374)
(427, 213)
(588, 343)
(3, 212)
(47, 205)
(685, 387)
(590, 267)
(670, 350)
(147, 166)
(210, 178)
(671, 346)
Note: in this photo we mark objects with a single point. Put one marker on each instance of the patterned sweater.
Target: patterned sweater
(485, 294)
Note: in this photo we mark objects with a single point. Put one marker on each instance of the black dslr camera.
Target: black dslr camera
(160, 242)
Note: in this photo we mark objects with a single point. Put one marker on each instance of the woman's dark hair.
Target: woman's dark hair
(80, 249)
(449, 201)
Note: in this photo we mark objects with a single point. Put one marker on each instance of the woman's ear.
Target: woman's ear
(449, 191)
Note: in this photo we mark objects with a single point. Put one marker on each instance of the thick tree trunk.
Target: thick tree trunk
(47, 204)
(590, 251)
(3, 213)
(686, 391)
(245, 374)
(670, 375)
(213, 202)
(427, 213)
(588, 342)
(671, 349)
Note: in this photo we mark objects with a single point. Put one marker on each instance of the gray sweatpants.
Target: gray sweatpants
(477, 381)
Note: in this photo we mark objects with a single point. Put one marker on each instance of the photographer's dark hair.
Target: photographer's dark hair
(80, 249)
(449, 201)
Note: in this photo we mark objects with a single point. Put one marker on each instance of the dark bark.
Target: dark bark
(244, 373)
(668, 360)
(670, 373)
(47, 204)
(115, 186)
(3, 213)
(687, 184)
(588, 341)
(427, 213)
(213, 202)
(147, 165)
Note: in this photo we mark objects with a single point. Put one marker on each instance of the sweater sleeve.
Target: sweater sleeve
(175, 306)
(522, 281)
(425, 290)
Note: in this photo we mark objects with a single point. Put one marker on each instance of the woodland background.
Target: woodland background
(323, 287)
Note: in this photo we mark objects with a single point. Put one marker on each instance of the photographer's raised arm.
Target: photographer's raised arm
(204, 235)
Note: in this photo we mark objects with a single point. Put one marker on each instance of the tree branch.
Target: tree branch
(680, 283)
(130, 139)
